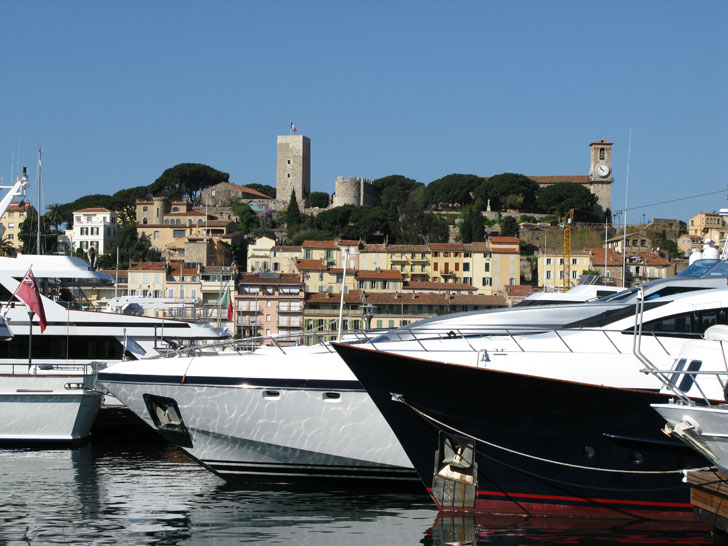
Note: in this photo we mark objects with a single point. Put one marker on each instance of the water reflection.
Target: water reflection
(107, 494)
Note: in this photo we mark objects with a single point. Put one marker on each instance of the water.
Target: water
(118, 493)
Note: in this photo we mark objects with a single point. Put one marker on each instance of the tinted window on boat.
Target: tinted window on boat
(684, 324)
(57, 347)
(608, 317)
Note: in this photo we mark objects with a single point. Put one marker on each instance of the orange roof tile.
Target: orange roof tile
(310, 264)
(320, 244)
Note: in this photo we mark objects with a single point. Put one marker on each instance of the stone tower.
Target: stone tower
(600, 174)
(293, 168)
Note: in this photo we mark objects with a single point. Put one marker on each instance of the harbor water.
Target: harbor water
(139, 492)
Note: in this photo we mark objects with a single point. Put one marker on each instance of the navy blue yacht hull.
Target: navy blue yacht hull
(537, 446)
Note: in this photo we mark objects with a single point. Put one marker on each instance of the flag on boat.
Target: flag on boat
(30, 295)
(134, 347)
(227, 302)
(293, 128)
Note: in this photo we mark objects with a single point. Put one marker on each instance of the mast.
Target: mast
(38, 249)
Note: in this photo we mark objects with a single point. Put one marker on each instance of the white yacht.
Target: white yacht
(281, 413)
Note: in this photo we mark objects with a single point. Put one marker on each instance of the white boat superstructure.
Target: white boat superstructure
(698, 413)
(47, 403)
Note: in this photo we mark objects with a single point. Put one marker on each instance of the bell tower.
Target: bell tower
(600, 174)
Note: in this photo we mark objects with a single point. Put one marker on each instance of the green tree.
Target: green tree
(186, 180)
(54, 213)
(394, 191)
(270, 191)
(29, 235)
(472, 225)
(247, 218)
(561, 197)
(132, 248)
(319, 199)
(509, 226)
(293, 214)
(509, 190)
(453, 189)
(668, 246)
(316, 235)
(6, 247)
(415, 226)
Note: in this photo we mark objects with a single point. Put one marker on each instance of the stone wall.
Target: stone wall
(293, 168)
(354, 191)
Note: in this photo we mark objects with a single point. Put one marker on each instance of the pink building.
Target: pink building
(269, 304)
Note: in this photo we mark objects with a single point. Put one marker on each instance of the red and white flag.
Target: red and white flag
(293, 128)
(28, 292)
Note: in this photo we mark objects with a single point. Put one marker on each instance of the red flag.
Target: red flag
(230, 309)
(29, 294)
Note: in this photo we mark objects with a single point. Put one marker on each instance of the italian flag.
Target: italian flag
(227, 302)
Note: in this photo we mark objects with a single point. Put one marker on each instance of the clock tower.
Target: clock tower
(600, 174)
(601, 161)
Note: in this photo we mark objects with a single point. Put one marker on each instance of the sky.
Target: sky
(114, 93)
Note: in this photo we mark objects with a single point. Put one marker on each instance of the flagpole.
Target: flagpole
(30, 339)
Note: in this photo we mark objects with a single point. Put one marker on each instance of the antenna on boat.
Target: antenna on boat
(624, 235)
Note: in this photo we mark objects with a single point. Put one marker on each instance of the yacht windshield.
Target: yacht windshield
(698, 268)
(719, 270)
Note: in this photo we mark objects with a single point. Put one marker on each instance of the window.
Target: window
(548, 261)
(156, 235)
(144, 220)
(145, 209)
(435, 266)
(177, 233)
(548, 275)
(11, 226)
(601, 154)
(561, 261)
(574, 261)
(11, 236)
(487, 281)
(487, 268)
(573, 274)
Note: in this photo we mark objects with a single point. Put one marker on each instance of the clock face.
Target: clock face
(602, 170)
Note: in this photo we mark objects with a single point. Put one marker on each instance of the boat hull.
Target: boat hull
(46, 408)
(270, 429)
(538, 446)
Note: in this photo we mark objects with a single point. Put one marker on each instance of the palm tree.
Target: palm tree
(54, 214)
(6, 247)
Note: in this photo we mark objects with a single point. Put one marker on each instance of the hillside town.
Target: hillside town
(208, 266)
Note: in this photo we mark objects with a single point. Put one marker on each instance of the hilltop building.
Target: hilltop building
(355, 191)
(224, 193)
(293, 168)
(93, 228)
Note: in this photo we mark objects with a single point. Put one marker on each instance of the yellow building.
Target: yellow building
(708, 225)
(17, 212)
(412, 261)
(551, 268)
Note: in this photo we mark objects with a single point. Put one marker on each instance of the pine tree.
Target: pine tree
(294, 214)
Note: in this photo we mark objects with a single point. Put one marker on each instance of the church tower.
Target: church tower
(600, 174)
(293, 168)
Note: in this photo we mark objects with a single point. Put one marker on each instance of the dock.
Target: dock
(709, 497)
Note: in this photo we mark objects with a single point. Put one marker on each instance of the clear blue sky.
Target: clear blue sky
(116, 92)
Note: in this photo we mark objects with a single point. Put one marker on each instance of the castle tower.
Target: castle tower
(600, 174)
(293, 168)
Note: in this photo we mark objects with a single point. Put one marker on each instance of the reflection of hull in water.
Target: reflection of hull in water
(260, 417)
(46, 407)
(476, 529)
(543, 445)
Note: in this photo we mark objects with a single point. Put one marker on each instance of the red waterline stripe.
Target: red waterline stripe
(579, 499)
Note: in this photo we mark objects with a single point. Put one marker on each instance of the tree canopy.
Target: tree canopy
(472, 225)
(394, 190)
(132, 248)
(560, 198)
(318, 199)
(509, 191)
(187, 180)
(270, 191)
(247, 218)
(453, 189)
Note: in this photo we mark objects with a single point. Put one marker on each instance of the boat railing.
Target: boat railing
(520, 339)
(50, 368)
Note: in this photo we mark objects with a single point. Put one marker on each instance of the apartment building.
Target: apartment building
(270, 304)
(92, 228)
(708, 225)
(16, 214)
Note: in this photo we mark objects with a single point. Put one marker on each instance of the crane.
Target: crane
(565, 224)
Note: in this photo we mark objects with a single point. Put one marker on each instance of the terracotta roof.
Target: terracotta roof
(374, 248)
(447, 246)
(320, 244)
(287, 248)
(478, 246)
(245, 189)
(348, 242)
(310, 264)
(478, 299)
(218, 223)
(147, 266)
(498, 250)
(392, 274)
(613, 258)
(504, 240)
(174, 268)
(519, 290)
(92, 210)
(407, 248)
(438, 286)
(270, 278)
(186, 213)
(651, 259)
